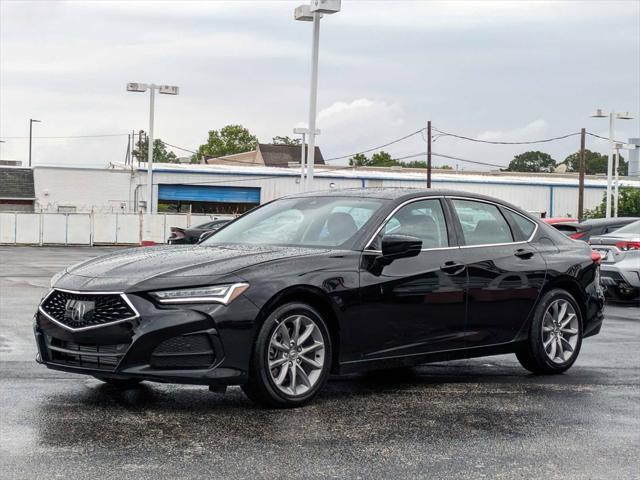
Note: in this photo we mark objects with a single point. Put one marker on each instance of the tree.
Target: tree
(383, 159)
(359, 160)
(628, 204)
(287, 141)
(533, 161)
(228, 140)
(594, 163)
(160, 153)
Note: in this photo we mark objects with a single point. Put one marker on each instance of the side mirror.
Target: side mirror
(206, 235)
(400, 246)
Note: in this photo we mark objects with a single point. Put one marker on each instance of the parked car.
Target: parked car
(568, 226)
(589, 228)
(620, 252)
(339, 281)
(193, 234)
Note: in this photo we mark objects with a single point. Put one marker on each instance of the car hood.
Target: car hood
(171, 265)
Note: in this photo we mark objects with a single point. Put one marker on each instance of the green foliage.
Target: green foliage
(594, 163)
(228, 140)
(359, 160)
(628, 204)
(383, 159)
(533, 161)
(287, 141)
(160, 153)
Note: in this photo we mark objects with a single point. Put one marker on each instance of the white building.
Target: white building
(236, 188)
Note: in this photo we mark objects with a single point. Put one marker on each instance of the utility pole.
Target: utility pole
(429, 154)
(581, 178)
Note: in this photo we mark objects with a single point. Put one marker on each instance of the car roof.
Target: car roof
(393, 193)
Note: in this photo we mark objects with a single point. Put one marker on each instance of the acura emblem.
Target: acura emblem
(75, 310)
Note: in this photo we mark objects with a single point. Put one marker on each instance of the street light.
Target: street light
(308, 13)
(599, 113)
(303, 132)
(165, 90)
(31, 122)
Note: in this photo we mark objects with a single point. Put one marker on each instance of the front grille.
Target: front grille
(81, 310)
(185, 351)
(100, 357)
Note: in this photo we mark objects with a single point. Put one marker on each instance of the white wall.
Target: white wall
(86, 189)
(88, 228)
(105, 190)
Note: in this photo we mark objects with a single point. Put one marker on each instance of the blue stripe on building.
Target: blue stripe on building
(208, 193)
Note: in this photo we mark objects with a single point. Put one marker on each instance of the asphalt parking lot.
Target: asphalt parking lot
(481, 418)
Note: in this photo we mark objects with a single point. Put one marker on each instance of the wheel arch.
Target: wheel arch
(571, 285)
(315, 298)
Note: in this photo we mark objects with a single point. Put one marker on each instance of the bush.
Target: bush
(628, 204)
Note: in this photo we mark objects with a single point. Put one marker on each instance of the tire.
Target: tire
(547, 338)
(283, 385)
(121, 383)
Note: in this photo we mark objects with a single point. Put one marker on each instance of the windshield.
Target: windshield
(305, 222)
(631, 228)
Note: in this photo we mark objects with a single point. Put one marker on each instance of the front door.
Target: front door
(413, 305)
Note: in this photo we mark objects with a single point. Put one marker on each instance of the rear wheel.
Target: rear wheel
(555, 335)
(122, 383)
(626, 292)
(291, 357)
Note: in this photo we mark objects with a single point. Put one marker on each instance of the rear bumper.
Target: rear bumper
(205, 344)
(627, 271)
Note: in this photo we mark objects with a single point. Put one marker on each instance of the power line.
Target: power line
(451, 157)
(375, 148)
(77, 136)
(603, 138)
(546, 140)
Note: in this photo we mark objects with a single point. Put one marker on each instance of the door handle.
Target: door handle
(524, 253)
(452, 268)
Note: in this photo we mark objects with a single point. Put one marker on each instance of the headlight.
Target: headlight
(224, 294)
(56, 277)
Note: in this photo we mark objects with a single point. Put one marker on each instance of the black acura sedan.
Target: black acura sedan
(328, 282)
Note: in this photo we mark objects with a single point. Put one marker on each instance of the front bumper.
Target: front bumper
(207, 344)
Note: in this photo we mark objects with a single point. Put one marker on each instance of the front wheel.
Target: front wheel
(555, 335)
(291, 357)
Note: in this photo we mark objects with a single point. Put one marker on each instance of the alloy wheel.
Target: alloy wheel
(560, 329)
(296, 355)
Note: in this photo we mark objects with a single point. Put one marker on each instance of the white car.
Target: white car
(620, 264)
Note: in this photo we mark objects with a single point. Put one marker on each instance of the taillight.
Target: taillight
(596, 257)
(577, 235)
(177, 232)
(628, 245)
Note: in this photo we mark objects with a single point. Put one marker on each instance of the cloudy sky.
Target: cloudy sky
(506, 71)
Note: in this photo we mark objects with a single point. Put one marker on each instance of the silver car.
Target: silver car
(620, 264)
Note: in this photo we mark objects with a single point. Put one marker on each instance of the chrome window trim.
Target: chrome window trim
(503, 206)
(453, 197)
(90, 327)
(393, 212)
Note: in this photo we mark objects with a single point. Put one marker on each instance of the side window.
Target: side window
(524, 226)
(423, 219)
(482, 223)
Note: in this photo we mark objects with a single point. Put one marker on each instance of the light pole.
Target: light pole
(599, 113)
(31, 122)
(303, 161)
(307, 13)
(165, 90)
(616, 184)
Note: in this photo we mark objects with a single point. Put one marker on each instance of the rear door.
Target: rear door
(506, 272)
